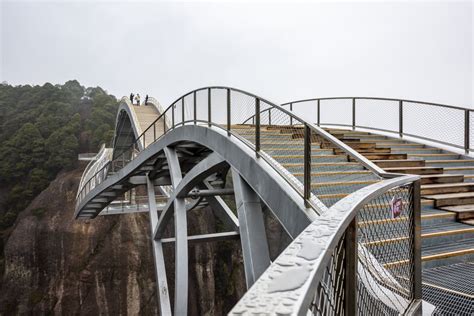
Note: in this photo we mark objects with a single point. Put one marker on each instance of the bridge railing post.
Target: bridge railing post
(182, 111)
(291, 110)
(228, 112)
(319, 112)
(466, 131)
(400, 118)
(353, 113)
(194, 103)
(172, 116)
(307, 165)
(350, 269)
(416, 231)
(209, 116)
(257, 125)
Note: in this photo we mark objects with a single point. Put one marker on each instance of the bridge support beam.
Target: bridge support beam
(162, 284)
(181, 237)
(252, 230)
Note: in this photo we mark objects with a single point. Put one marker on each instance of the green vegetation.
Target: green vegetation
(42, 129)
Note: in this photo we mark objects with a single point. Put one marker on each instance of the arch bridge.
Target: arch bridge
(353, 215)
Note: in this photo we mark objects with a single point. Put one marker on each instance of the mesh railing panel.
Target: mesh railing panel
(337, 111)
(329, 298)
(307, 109)
(434, 122)
(202, 105)
(378, 114)
(386, 247)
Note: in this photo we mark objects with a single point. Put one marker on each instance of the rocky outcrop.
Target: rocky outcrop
(55, 264)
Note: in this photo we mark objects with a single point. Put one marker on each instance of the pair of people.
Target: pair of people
(137, 99)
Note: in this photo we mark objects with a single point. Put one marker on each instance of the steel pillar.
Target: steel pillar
(252, 230)
(162, 284)
(181, 235)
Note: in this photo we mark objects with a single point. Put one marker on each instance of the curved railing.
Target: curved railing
(160, 109)
(423, 120)
(100, 160)
(225, 108)
(336, 265)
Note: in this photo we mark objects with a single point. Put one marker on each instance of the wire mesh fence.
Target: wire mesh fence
(385, 260)
(330, 294)
(386, 252)
(445, 124)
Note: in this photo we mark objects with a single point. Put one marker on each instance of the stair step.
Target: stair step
(446, 188)
(399, 163)
(460, 169)
(400, 145)
(354, 145)
(385, 156)
(435, 156)
(450, 162)
(416, 170)
(449, 199)
(368, 151)
(441, 178)
(463, 212)
(447, 253)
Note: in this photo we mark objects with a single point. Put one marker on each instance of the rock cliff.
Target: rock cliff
(55, 264)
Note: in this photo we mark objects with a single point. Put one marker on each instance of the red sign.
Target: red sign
(396, 206)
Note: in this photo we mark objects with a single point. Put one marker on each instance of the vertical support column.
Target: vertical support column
(195, 110)
(228, 112)
(307, 165)
(181, 236)
(291, 110)
(154, 131)
(209, 117)
(466, 131)
(252, 230)
(257, 125)
(350, 268)
(416, 241)
(353, 113)
(400, 118)
(270, 116)
(319, 112)
(160, 270)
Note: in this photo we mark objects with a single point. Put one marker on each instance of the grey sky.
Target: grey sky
(418, 50)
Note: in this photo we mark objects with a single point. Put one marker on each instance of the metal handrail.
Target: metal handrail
(400, 103)
(278, 294)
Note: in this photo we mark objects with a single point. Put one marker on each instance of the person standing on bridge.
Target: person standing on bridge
(137, 98)
(146, 99)
(131, 98)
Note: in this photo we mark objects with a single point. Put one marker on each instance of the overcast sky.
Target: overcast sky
(416, 50)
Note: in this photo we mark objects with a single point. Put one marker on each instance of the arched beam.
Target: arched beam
(281, 198)
(194, 177)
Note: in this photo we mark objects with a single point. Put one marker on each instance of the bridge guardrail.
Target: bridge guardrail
(424, 120)
(337, 265)
(226, 108)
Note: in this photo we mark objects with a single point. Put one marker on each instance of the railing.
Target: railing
(423, 120)
(100, 160)
(225, 107)
(358, 258)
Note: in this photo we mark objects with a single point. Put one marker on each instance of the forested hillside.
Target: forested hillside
(42, 129)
